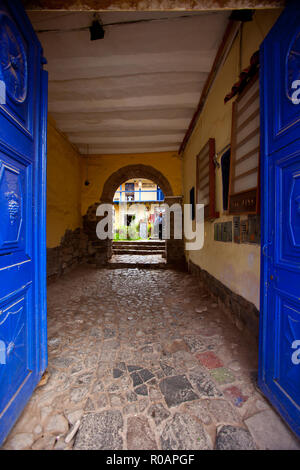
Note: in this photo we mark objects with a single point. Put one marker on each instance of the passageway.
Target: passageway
(145, 360)
(154, 311)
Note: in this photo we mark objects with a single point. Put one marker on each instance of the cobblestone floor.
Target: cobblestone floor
(144, 360)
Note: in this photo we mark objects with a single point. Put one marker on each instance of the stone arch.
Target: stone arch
(134, 171)
(101, 250)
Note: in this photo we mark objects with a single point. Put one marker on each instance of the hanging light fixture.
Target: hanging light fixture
(96, 29)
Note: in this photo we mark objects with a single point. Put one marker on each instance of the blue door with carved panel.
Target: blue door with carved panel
(23, 115)
(279, 369)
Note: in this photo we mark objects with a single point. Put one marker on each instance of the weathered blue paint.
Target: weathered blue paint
(279, 367)
(23, 119)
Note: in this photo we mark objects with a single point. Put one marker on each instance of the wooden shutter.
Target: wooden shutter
(245, 152)
(206, 179)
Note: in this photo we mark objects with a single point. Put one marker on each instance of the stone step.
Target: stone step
(162, 245)
(134, 251)
(141, 245)
(140, 248)
(137, 261)
(124, 265)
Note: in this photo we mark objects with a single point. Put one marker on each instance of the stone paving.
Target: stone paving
(142, 359)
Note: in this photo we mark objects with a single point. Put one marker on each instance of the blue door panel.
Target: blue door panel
(15, 327)
(14, 203)
(287, 233)
(279, 358)
(18, 43)
(23, 121)
(286, 375)
(283, 70)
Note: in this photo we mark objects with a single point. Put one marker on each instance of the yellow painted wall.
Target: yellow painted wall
(236, 266)
(98, 168)
(64, 182)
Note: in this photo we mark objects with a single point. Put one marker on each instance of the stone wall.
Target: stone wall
(243, 313)
(72, 251)
(99, 251)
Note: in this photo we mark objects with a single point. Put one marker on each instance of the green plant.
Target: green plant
(133, 232)
(123, 232)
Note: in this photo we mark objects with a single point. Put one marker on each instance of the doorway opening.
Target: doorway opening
(138, 223)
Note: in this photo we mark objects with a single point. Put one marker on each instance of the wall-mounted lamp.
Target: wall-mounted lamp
(242, 15)
(96, 29)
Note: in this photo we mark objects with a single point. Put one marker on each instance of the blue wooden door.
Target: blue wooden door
(23, 117)
(279, 370)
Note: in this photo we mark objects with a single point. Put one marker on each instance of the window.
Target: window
(206, 179)
(129, 191)
(245, 150)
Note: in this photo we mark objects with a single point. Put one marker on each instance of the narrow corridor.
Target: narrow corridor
(145, 360)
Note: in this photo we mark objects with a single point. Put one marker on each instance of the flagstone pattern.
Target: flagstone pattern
(144, 360)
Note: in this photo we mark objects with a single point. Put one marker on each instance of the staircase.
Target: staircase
(139, 247)
(142, 254)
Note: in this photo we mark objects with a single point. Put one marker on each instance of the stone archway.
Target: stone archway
(100, 251)
(134, 171)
